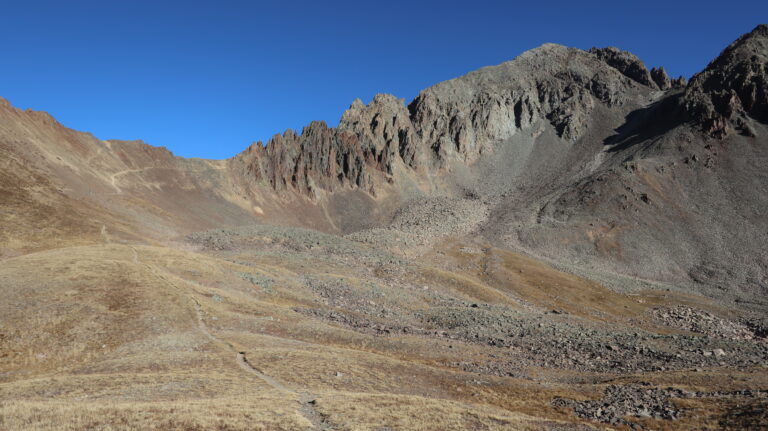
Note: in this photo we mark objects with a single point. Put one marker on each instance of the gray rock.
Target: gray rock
(627, 63)
(732, 88)
(661, 78)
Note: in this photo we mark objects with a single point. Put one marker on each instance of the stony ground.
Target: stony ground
(307, 330)
(389, 297)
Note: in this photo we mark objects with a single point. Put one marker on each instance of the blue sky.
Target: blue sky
(207, 78)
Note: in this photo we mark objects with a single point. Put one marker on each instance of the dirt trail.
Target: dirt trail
(113, 177)
(306, 399)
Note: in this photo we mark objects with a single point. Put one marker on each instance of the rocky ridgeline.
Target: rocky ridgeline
(632, 67)
(462, 118)
(455, 120)
(368, 139)
(733, 88)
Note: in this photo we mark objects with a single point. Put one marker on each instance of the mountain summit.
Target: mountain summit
(733, 87)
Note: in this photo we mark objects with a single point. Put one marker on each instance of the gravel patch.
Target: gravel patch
(621, 401)
(701, 322)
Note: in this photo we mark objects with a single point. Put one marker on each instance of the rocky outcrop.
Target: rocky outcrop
(319, 157)
(464, 117)
(626, 63)
(664, 82)
(679, 82)
(366, 145)
(384, 130)
(733, 89)
(661, 78)
(632, 67)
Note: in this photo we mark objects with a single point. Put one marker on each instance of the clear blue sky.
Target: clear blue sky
(207, 78)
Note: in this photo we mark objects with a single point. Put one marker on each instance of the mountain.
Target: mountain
(546, 226)
(583, 157)
(587, 158)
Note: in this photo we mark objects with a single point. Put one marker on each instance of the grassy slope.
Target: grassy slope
(119, 336)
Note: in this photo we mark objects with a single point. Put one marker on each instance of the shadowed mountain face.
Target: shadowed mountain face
(574, 191)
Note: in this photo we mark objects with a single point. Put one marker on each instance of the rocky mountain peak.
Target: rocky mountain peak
(631, 66)
(626, 63)
(733, 89)
(552, 84)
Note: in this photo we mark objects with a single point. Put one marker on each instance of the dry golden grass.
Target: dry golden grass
(116, 336)
(224, 414)
(355, 411)
(514, 275)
